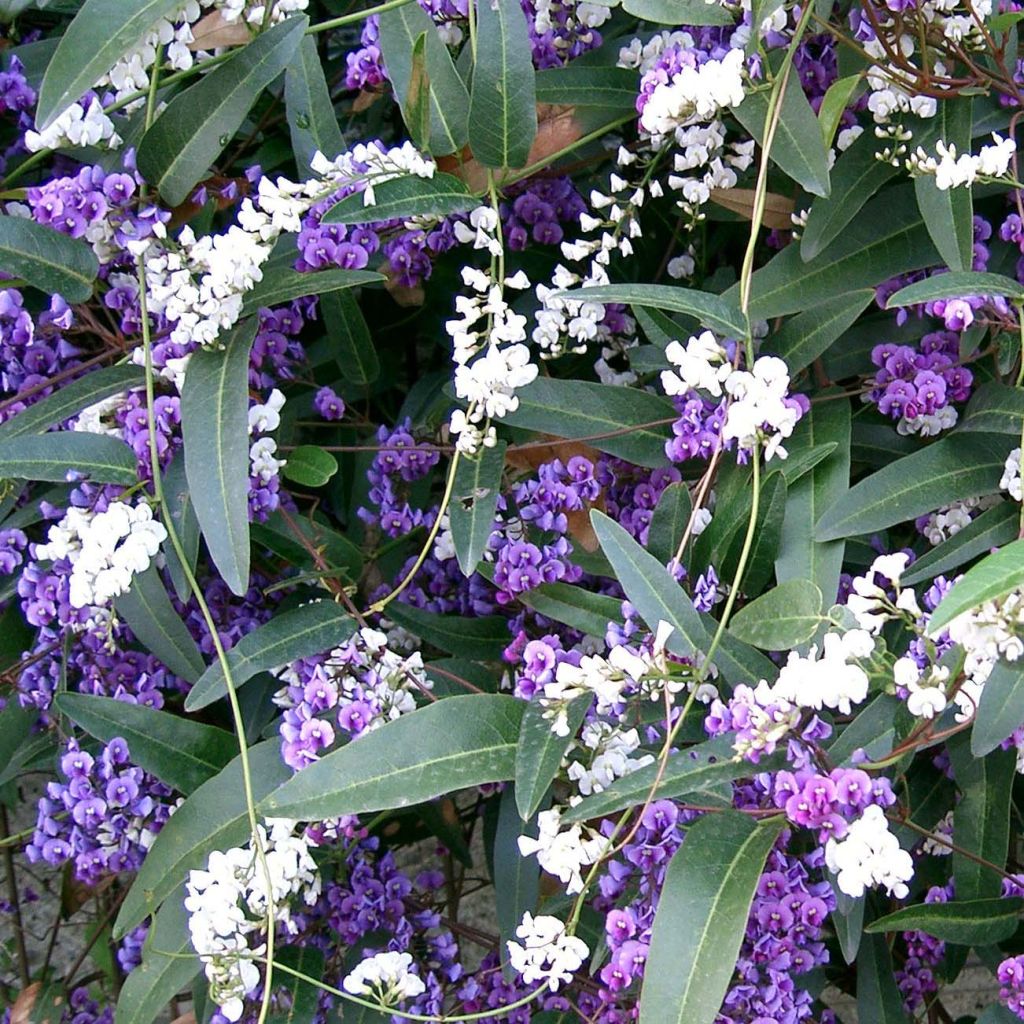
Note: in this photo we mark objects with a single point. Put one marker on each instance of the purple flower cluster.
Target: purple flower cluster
(827, 803)
(536, 662)
(32, 351)
(916, 976)
(631, 493)
(103, 818)
(698, 431)
(328, 405)
(536, 210)
(12, 550)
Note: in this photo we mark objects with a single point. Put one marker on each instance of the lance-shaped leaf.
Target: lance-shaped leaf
(702, 917)
(955, 285)
(996, 408)
(307, 101)
(445, 746)
(993, 577)
(1001, 708)
(676, 12)
(178, 751)
(878, 998)
(71, 399)
(168, 966)
(575, 606)
(298, 633)
(579, 86)
(803, 338)
(668, 523)
(962, 922)
(103, 459)
(516, 878)
(158, 627)
(302, 1005)
(481, 639)
(215, 430)
(282, 284)
(474, 500)
(503, 100)
(781, 619)
(349, 335)
(101, 33)
(402, 198)
(631, 424)
(993, 528)
(198, 123)
(214, 817)
(178, 505)
(833, 105)
(448, 97)
(951, 469)
(540, 750)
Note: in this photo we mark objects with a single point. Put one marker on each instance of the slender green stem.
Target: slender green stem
(351, 19)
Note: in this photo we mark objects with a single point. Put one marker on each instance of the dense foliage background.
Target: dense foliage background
(510, 510)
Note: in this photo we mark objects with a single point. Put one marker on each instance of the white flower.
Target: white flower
(388, 976)
(695, 94)
(758, 406)
(700, 364)
(77, 126)
(868, 602)
(563, 852)
(870, 855)
(831, 681)
(1011, 479)
(545, 953)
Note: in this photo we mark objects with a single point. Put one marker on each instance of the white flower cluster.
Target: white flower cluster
(993, 631)
(567, 17)
(952, 171)
(387, 977)
(545, 953)
(869, 602)
(82, 124)
(926, 696)
(564, 852)
(612, 748)
(227, 905)
(1011, 482)
(264, 418)
(99, 417)
(254, 11)
(949, 520)
(870, 855)
(105, 549)
(695, 94)
(700, 364)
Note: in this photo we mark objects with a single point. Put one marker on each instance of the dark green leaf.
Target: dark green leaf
(677, 12)
(848, 923)
(953, 468)
(669, 521)
(215, 430)
(158, 627)
(307, 100)
(473, 504)
(481, 639)
(304, 998)
(999, 711)
(282, 284)
(781, 619)
(580, 86)
(516, 878)
(503, 101)
(993, 577)
(291, 537)
(622, 421)
(954, 285)
(835, 101)
(996, 408)
(179, 752)
(873, 731)
(574, 606)
(701, 918)
(993, 528)
(804, 338)
(349, 335)
(445, 746)
(178, 505)
(310, 466)
(103, 459)
(878, 998)
(71, 399)
(402, 198)
(962, 922)
(298, 633)
(539, 751)
(186, 139)
(767, 537)
(214, 817)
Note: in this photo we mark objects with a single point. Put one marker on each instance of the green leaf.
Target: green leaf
(797, 148)
(632, 424)
(214, 817)
(46, 259)
(101, 33)
(878, 998)
(714, 311)
(889, 238)
(503, 100)
(105, 460)
(949, 213)
(304, 999)
(449, 100)
(298, 633)
(781, 619)
(657, 596)
(581, 86)
(416, 108)
(993, 577)
(574, 606)
(310, 466)
(671, 515)
(993, 528)
(687, 771)
(873, 730)
(999, 711)
(848, 923)
(835, 101)
(307, 100)
(981, 819)
(473, 504)
(448, 745)
(178, 505)
(215, 430)
(804, 338)
(349, 335)
(71, 399)
(800, 555)
(179, 752)
(402, 198)
(677, 12)
(283, 534)
(481, 639)
(539, 751)
(168, 966)
(284, 283)
(858, 174)
(955, 285)
(516, 878)
(701, 918)
(995, 408)
(148, 611)
(953, 468)
(962, 922)
(767, 537)
(189, 136)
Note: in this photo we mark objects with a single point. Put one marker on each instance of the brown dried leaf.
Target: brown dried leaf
(21, 1011)
(189, 1017)
(532, 456)
(39, 1004)
(402, 294)
(777, 209)
(213, 31)
(365, 99)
